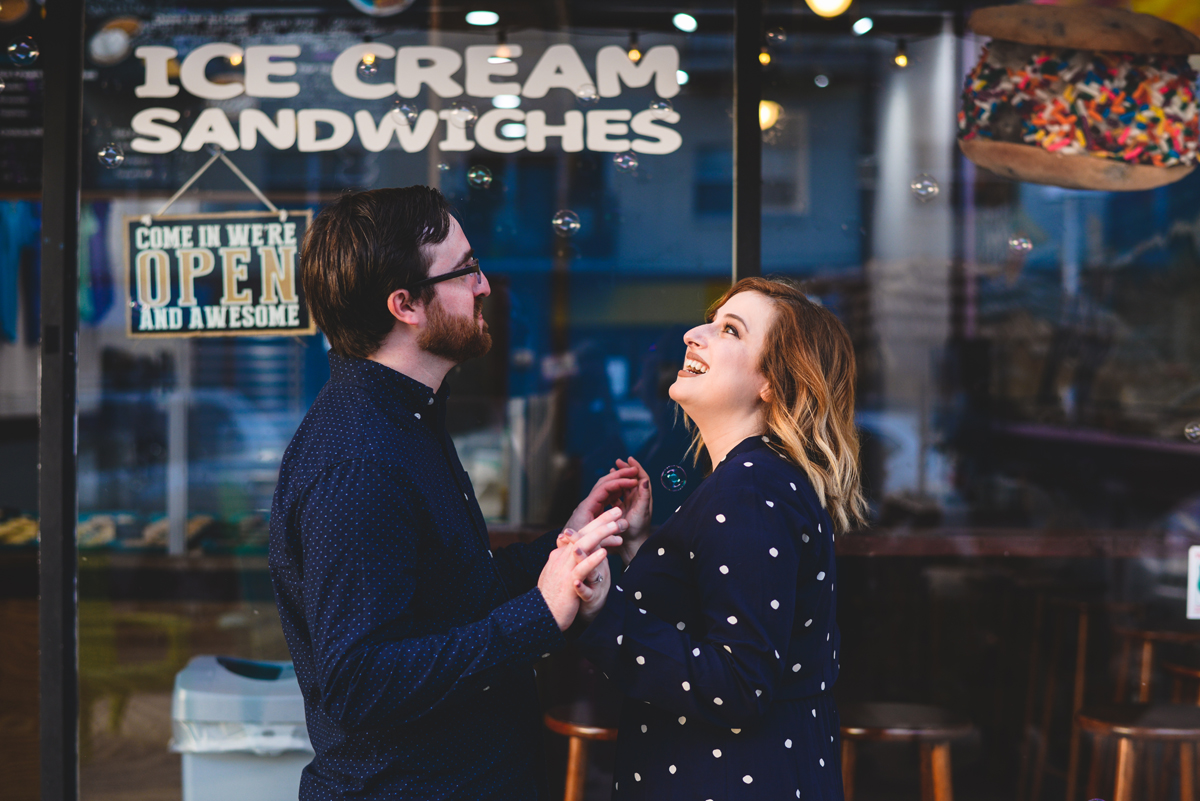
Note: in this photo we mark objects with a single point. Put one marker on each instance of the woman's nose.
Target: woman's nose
(694, 337)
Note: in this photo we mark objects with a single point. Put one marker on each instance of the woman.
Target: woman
(721, 630)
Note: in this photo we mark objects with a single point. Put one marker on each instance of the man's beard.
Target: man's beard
(454, 338)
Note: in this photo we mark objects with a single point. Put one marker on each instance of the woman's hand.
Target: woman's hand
(636, 504)
(604, 494)
(593, 592)
(575, 560)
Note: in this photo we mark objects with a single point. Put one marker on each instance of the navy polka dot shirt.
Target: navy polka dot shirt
(723, 636)
(412, 642)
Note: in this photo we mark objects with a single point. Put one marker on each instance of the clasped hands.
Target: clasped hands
(576, 577)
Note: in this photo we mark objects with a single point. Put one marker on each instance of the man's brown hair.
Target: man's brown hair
(362, 248)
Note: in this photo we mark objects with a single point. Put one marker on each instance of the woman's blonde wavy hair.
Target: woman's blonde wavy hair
(808, 361)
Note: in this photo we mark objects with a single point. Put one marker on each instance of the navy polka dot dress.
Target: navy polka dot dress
(413, 644)
(722, 635)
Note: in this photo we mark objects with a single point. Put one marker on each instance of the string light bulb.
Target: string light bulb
(768, 114)
(764, 56)
(901, 58)
(828, 8)
(368, 58)
(235, 60)
(503, 52)
(634, 52)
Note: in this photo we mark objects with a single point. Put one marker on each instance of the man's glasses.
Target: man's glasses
(471, 268)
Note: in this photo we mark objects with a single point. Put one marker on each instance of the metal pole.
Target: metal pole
(747, 140)
(62, 65)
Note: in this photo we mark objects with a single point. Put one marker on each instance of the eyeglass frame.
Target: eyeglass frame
(472, 267)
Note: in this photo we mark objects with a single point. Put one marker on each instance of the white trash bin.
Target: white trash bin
(240, 728)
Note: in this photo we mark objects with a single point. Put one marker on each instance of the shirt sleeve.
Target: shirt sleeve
(521, 563)
(744, 563)
(361, 558)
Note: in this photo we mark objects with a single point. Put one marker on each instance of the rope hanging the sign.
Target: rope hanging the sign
(218, 154)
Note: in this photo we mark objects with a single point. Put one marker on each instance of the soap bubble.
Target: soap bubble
(111, 155)
(405, 112)
(776, 36)
(821, 81)
(566, 223)
(1019, 245)
(661, 108)
(462, 114)
(443, 167)
(479, 177)
(587, 95)
(925, 187)
(23, 52)
(625, 162)
(1192, 432)
(367, 69)
(674, 478)
(2, 85)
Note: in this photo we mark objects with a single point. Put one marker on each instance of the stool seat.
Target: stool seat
(895, 722)
(1177, 636)
(583, 718)
(1142, 721)
(1182, 671)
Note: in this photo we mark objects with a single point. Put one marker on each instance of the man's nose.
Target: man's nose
(483, 287)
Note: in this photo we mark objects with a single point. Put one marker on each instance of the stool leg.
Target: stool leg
(1147, 665)
(1187, 772)
(576, 769)
(935, 772)
(1043, 745)
(1073, 763)
(1081, 640)
(1122, 671)
(1126, 759)
(1093, 783)
(1027, 730)
(848, 754)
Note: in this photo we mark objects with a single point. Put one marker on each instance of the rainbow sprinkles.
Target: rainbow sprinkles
(1138, 108)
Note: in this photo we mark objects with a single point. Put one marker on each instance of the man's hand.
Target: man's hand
(636, 504)
(575, 560)
(604, 494)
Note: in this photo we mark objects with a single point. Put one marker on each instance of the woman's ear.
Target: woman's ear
(402, 306)
(765, 394)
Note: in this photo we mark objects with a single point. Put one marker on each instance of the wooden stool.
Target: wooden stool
(1036, 744)
(581, 721)
(1136, 725)
(1146, 640)
(931, 727)
(1183, 675)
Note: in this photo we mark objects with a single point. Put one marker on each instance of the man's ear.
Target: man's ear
(402, 306)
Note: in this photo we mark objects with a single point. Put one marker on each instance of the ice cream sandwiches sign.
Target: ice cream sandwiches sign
(215, 275)
(401, 74)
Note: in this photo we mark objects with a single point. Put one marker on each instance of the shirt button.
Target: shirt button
(431, 401)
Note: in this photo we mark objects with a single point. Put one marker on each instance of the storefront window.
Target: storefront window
(571, 169)
(1028, 395)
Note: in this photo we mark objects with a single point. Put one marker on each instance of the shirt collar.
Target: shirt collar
(745, 446)
(385, 384)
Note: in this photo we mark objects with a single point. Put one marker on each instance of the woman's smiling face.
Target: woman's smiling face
(720, 376)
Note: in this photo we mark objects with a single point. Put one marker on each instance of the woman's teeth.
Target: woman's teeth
(693, 366)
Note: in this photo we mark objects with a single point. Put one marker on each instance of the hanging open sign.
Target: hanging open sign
(220, 275)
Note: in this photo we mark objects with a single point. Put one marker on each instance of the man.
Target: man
(413, 642)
